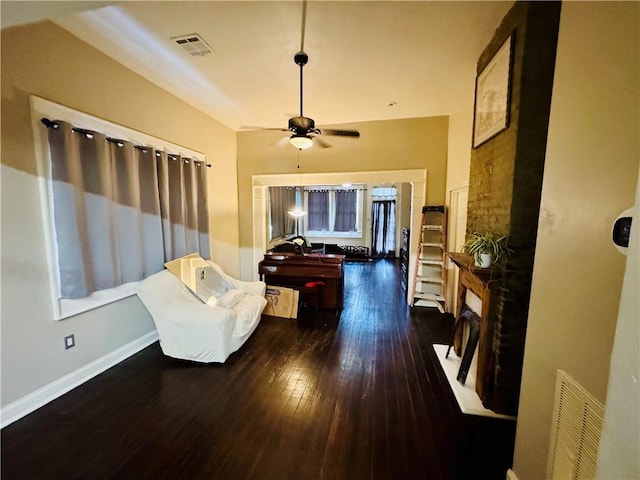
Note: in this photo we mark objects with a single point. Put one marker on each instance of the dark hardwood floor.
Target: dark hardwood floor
(362, 396)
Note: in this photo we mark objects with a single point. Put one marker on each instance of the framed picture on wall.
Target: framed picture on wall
(491, 114)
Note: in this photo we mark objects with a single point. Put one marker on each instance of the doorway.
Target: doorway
(417, 178)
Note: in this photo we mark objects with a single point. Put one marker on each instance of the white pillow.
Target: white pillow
(202, 278)
(210, 283)
(228, 300)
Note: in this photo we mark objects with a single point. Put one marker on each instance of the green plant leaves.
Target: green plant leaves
(488, 242)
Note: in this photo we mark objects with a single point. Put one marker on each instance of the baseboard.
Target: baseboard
(31, 402)
(511, 475)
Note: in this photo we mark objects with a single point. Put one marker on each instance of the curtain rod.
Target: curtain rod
(337, 188)
(327, 188)
(90, 133)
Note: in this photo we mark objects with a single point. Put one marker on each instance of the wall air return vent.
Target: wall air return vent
(193, 44)
(577, 423)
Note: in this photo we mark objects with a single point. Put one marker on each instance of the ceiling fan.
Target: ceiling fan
(303, 129)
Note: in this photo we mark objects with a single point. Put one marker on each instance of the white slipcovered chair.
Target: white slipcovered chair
(202, 331)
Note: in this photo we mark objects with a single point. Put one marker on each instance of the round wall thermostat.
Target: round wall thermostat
(621, 230)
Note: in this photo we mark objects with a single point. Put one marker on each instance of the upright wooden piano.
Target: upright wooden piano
(295, 270)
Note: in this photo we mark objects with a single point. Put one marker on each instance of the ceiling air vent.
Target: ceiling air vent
(193, 44)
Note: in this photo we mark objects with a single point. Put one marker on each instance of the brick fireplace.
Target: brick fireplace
(505, 184)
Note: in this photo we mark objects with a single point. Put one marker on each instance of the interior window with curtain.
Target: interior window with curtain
(346, 211)
(333, 211)
(318, 210)
(120, 210)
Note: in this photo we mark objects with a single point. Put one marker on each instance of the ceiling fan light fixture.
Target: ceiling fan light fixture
(301, 142)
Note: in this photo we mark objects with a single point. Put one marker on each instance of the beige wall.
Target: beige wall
(384, 145)
(458, 166)
(590, 175)
(460, 129)
(44, 60)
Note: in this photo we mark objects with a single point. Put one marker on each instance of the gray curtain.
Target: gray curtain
(183, 206)
(281, 200)
(318, 210)
(110, 204)
(383, 227)
(346, 214)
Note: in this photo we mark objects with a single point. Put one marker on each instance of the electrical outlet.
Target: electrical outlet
(69, 341)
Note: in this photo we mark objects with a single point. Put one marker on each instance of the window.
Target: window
(318, 211)
(333, 212)
(116, 205)
(383, 193)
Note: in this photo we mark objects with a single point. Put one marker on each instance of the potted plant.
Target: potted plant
(486, 248)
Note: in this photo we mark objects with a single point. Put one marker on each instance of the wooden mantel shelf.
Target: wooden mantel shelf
(464, 261)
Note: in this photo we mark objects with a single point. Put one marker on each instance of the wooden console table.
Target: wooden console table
(483, 283)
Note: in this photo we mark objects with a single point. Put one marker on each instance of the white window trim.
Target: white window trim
(65, 308)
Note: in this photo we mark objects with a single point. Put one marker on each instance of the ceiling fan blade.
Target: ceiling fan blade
(341, 133)
(250, 127)
(282, 142)
(321, 143)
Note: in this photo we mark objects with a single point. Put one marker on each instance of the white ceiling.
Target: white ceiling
(363, 55)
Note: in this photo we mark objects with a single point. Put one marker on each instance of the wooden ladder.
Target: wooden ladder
(430, 279)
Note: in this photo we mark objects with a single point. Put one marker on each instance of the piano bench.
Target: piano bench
(311, 294)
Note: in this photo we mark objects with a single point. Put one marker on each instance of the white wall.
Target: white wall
(620, 440)
(590, 174)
